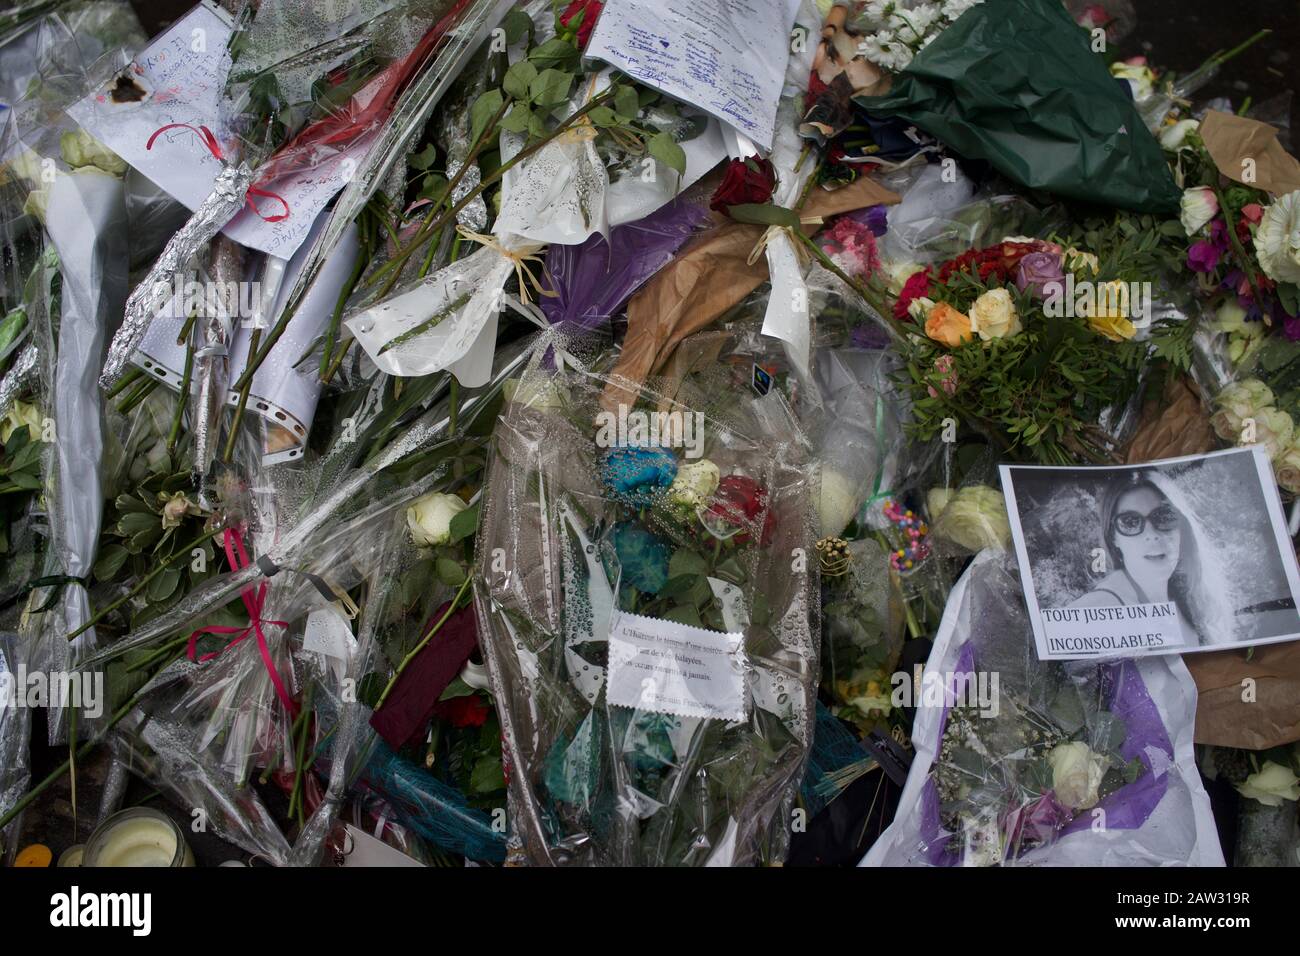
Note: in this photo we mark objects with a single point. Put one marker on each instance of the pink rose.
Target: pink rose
(1037, 270)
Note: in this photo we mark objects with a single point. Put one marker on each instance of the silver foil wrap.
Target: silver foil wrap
(226, 199)
(16, 378)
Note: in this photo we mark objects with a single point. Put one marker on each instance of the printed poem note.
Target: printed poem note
(725, 56)
(673, 668)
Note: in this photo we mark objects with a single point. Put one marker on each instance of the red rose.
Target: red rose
(590, 10)
(917, 286)
(738, 502)
(750, 180)
(468, 711)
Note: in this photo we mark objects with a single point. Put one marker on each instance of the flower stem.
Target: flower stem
(83, 751)
(183, 551)
(178, 416)
(243, 402)
(423, 641)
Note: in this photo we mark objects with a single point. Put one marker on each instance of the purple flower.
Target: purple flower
(1202, 256)
(1219, 235)
(878, 220)
(1291, 328)
(1037, 270)
(1036, 822)
(868, 335)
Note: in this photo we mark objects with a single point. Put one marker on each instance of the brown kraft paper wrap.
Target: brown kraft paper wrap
(710, 276)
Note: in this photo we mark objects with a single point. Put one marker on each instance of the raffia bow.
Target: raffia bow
(771, 232)
(518, 257)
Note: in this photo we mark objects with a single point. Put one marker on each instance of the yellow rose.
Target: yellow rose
(1109, 314)
(1273, 429)
(1236, 403)
(80, 149)
(994, 315)
(947, 326)
(18, 415)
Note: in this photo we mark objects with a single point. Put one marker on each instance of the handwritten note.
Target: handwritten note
(180, 78)
(725, 56)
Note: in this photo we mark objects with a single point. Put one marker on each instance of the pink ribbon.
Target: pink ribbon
(253, 603)
(210, 141)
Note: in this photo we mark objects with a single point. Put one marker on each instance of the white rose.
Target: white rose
(175, 509)
(1237, 402)
(1231, 318)
(994, 315)
(80, 149)
(1197, 207)
(1277, 239)
(936, 499)
(837, 503)
(429, 518)
(1287, 469)
(975, 518)
(919, 309)
(1173, 136)
(695, 483)
(1076, 774)
(899, 273)
(1076, 260)
(1271, 785)
(1273, 429)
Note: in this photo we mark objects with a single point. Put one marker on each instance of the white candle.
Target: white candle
(138, 837)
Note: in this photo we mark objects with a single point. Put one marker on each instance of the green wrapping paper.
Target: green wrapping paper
(1016, 83)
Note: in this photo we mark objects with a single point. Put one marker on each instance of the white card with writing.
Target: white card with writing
(180, 78)
(727, 57)
(673, 668)
(366, 850)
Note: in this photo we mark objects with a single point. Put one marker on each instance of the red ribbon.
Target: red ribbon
(210, 141)
(253, 602)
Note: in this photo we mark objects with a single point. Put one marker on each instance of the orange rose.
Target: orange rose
(948, 326)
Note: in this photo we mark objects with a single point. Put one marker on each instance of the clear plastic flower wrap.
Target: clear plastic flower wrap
(646, 594)
(1021, 762)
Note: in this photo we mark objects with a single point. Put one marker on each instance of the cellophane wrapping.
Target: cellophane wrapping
(1022, 762)
(581, 527)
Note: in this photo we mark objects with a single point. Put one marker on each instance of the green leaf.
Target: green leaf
(516, 24)
(110, 561)
(1289, 294)
(518, 79)
(449, 572)
(626, 103)
(685, 614)
(557, 54)
(10, 326)
(550, 88)
(603, 116)
(764, 214)
(424, 158)
(481, 113)
(518, 120)
(163, 586)
(457, 688)
(487, 777)
(664, 149)
(685, 561)
(464, 524)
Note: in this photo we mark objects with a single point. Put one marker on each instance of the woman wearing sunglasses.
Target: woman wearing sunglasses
(1154, 555)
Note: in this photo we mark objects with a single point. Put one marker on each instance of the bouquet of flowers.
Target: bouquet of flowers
(1022, 762)
(647, 607)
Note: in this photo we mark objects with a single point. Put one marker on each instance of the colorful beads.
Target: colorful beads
(912, 530)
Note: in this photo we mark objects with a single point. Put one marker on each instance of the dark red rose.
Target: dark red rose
(738, 502)
(468, 711)
(750, 180)
(917, 286)
(590, 10)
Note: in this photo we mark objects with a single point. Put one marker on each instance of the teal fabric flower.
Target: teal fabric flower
(643, 557)
(638, 475)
